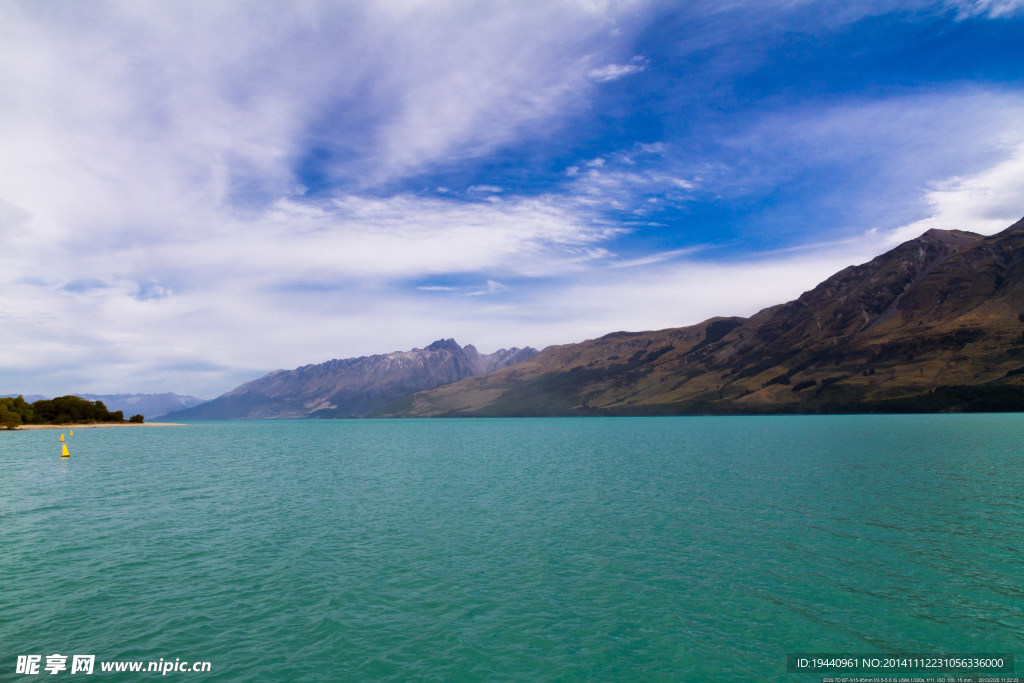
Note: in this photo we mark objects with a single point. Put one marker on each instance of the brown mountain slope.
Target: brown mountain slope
(932, 324)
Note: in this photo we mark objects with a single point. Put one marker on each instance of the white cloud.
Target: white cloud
(613, 72)
(341, 240)
(985, 202)
(618, 188)
(655, 258)
(493, 287)
(994, 9)
(408, 236)
(462, 79)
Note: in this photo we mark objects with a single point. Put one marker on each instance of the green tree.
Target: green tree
(136, 418)
(22, 408)
(65, 409)
(8, 418)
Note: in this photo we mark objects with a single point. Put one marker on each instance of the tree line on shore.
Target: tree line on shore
(15, 412)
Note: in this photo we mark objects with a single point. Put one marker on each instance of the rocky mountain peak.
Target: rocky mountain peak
(449, 345)
(353, 387)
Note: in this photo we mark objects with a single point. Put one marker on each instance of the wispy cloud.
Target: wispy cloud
(613, 72)
(994, 9)
(655, 258)
(459, 81)
(627, 179)
(493, 287)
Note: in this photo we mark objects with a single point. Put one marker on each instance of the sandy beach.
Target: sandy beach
(104, 424)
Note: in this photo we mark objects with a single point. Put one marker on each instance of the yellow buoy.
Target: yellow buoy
(64, 451)
(72, 432)
(62, 438)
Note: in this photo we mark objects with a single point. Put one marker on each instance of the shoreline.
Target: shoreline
(101, 425)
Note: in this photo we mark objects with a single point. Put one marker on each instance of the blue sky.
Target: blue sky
(194, 194)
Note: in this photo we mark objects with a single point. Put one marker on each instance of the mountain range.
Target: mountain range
(937, 323)
(352, 387)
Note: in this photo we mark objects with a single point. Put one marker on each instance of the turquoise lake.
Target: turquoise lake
(691, 548)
